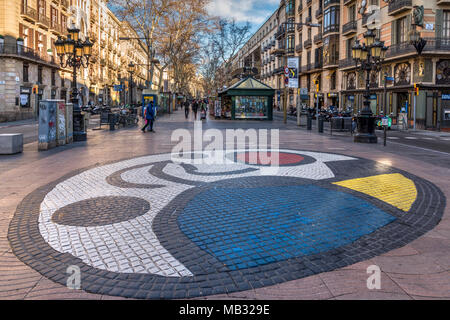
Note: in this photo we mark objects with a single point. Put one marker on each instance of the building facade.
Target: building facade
(325, 56)
(30, 70)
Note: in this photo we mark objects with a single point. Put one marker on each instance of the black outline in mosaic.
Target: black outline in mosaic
(101, 211)
(29, 246)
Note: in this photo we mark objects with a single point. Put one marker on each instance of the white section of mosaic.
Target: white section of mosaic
(132, 246)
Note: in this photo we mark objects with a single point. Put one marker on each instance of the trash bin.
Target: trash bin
(112, 121)
(320, 124)
(47, 125)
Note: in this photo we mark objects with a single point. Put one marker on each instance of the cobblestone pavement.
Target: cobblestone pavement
(141, 224)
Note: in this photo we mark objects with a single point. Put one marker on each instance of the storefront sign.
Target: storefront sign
(445, 96)
(351, 98)
(373, 97)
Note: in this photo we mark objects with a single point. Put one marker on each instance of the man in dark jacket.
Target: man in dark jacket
(186, 109)
(149, 116)
(195, 109)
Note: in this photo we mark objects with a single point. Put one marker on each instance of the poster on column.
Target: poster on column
(293, 65)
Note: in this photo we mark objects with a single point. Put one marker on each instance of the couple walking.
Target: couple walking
(148, 114)
(194, 108)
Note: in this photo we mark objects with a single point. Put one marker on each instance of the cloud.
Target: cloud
(253, 11)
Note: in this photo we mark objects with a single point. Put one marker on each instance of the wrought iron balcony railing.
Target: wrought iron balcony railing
(398, 6)
(22, 51)
(349, 27)
(29, 13)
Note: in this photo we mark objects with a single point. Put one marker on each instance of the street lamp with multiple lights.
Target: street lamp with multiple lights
(75, 53)
(369, 56)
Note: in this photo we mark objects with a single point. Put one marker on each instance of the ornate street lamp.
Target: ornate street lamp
(368, 57)
(131, 67)
(75, 53)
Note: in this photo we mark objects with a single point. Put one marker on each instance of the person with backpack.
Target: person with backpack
(149, 116)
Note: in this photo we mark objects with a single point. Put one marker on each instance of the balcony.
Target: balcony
(349, 28)
(290, 13)
(318, 38)
(347, 2)
(308, 20)
(299, 27)
(345, 63)
(56, 28)
(29, 13)
(43, 21)
(290, 50)
(25, 52)
(319, 12)
(327, 3)
(308, 2)
(278, 51)
(299, 48)
(318, 64)
(307, 44)
(398, 6)
(331, 29)
(400, 49)
(280, 33)
(300, 7)
(272, 58)
(443, 2)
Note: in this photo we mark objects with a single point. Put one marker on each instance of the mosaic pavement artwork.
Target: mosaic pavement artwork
(156, 227)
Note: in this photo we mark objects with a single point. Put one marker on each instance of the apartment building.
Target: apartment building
(324, 53)
(30, 71)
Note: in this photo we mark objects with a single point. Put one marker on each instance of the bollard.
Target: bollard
(320, 124)
(309, 122)
(112, 120)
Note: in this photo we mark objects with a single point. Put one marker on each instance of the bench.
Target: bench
(11, 143)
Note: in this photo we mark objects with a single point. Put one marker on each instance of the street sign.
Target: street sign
(286, 71)
(293, 66)
(118, 87)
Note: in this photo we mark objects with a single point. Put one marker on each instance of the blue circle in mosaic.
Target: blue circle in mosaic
(249, 227)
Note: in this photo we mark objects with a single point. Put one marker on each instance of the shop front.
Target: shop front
(248, 99)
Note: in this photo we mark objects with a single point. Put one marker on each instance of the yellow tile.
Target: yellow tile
(394, 189)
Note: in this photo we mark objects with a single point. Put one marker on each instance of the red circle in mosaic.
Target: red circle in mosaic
(269, 158)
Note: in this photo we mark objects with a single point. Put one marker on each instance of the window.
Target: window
(402, 30)
(446, 24)
(54, 17)
(331, 20)
(25, 73)
(333, 81)
(53, 77)
(350, 43)
(62, 82)
(39, 75)
(352, 13)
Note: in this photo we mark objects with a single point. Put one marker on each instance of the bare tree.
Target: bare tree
(218, 52)
(145, 17)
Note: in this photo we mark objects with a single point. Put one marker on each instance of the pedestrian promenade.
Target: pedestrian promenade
(161, 230)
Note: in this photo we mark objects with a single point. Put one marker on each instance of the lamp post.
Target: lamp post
(131, 71)
(286, 24)
(75, 53)
(368, 56)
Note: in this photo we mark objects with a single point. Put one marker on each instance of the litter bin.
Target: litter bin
(320, 124)
(112, 119)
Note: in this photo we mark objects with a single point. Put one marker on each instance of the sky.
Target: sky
(254, 11)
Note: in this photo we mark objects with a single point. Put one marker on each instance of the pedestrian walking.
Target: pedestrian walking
(186, 108)
(149, 116)
(195, 109)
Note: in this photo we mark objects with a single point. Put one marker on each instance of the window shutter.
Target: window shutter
(21, 35)
(44, 48)
(36, 47)
(439, 23)
(394, 32)
(31, 38)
